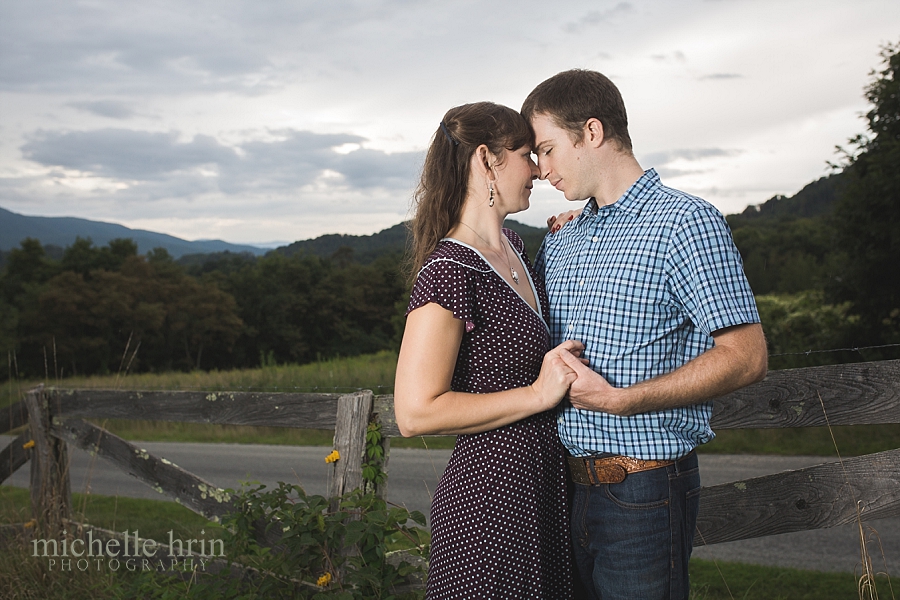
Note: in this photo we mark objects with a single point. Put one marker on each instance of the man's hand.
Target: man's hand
(590, 391)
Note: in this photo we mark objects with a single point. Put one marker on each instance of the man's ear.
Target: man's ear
(593, 133)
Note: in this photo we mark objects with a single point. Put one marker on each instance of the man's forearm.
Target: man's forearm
(739, 358)
(717, 372)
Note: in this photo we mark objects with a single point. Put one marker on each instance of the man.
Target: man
(649, 279)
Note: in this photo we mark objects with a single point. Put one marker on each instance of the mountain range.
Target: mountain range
(62, 232)
(814, 200)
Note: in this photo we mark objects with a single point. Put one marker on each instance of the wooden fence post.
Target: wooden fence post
(51, 497)
(353, 414)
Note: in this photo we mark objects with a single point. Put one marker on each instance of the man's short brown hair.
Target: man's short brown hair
(572, 97)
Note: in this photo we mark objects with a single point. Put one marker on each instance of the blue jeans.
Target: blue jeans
(633, 540)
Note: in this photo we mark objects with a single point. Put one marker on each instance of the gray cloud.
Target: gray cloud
(661, 160)
(598, 16)
(112, 109)
(722, 76)
(167, 47)
(125, 154)
(182, 168)
(678, 55)
(669, 156)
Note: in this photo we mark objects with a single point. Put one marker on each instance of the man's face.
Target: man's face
(559, 160)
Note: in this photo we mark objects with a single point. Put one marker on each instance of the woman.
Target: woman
(475, 361)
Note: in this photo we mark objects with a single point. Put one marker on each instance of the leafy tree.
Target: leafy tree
(26, 269)
(83, 257)
(786, 255)
(867, 216)
(102, 309)
(796, 324)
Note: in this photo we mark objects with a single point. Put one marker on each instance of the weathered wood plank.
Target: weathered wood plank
(353, 413)
(811, 498)
(13, 416)
(854, 394)
(163, 476)
(303, 411)
(51, 496)
(14, 456)
(383, 413)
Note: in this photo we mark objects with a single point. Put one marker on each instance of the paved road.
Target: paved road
(414, 474)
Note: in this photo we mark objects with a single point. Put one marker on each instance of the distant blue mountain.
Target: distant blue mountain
(62, 231)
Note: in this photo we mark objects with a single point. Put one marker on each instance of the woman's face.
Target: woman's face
(515, 178)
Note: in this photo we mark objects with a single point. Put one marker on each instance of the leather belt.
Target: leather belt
(610, 469)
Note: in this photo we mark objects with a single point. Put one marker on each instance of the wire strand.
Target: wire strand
(854, 349)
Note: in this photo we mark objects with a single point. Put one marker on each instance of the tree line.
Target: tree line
(108, 309)
(824, 265)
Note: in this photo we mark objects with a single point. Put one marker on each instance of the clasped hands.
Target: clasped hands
(565, 372)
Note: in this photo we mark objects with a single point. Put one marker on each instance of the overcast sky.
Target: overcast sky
(281, 120)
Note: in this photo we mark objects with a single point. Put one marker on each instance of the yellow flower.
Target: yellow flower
(28, 444)
(31, 523)
(324, 580)
(332, 457)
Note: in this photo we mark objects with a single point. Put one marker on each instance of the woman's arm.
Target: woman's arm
(423, 402)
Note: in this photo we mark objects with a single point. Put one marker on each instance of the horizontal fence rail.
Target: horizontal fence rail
(304, 411)
(853, 394)
(825, 495)
(816, 497)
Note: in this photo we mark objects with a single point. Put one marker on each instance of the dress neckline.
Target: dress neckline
(537, 300)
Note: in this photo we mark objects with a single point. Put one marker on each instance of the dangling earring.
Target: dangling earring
(491, 202)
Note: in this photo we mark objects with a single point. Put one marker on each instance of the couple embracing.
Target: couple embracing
(579, 387)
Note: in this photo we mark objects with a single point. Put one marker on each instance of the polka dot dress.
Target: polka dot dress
(499, 519)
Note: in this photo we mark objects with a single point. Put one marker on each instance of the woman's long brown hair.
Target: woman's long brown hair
(442, 189)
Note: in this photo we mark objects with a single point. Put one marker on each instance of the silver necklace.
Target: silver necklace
(512, 271)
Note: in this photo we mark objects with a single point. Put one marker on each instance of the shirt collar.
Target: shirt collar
(632, 200)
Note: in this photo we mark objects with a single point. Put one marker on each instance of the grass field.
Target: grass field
(24, 576)
(376, 372)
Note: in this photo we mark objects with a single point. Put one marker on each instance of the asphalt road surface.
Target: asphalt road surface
(413, 475)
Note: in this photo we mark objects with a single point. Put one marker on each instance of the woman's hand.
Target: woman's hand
(556, 375)
(556, 223)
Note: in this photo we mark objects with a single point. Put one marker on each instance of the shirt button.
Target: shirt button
(594, 239)
(570, 327)
(581, 282)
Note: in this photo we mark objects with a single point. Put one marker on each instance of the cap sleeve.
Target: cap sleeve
(449, 284)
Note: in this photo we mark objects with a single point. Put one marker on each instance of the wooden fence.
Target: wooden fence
(821, 496)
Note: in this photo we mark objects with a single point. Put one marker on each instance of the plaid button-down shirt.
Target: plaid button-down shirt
(643, 283)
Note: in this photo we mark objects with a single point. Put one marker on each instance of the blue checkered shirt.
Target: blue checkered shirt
(643, 282)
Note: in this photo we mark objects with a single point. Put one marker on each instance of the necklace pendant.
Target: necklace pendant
(515, 275)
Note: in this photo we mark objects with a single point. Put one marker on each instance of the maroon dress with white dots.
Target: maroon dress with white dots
(499, 517)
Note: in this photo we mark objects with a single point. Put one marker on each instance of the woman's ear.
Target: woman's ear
(485, 161)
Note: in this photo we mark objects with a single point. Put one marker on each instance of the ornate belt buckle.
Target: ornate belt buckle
(609, 473)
